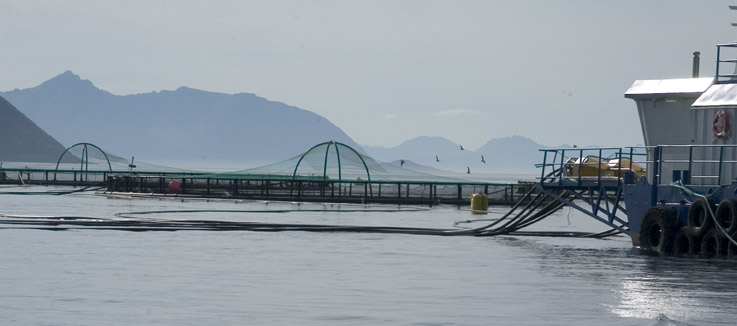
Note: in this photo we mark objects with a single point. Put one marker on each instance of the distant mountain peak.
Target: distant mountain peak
(69, 73)
(434, 140)
(68, 76)
(69, 80)
(189, 89)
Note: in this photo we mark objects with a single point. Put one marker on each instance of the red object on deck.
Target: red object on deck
(174, 186)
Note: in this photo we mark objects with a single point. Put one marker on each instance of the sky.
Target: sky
(383, 71)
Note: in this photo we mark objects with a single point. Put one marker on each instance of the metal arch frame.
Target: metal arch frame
(325, 164)
(340, 169)
(84, 152)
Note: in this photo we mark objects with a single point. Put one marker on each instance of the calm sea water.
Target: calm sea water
(96, 277)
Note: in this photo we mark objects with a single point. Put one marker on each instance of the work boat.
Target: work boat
(678, 193)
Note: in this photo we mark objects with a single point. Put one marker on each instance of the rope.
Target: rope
(686, 190)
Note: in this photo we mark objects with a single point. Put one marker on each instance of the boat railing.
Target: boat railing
(694, 164)
(587, 166)
(664, 164)
(726, 58)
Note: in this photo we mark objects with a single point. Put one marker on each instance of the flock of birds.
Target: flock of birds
(468, 168)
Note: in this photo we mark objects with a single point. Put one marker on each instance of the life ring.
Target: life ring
(658, 228)
(722, 124)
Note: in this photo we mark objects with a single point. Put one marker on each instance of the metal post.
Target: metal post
(545, 161)
(562, 155)
(656, 176)
(719, 61)
(721, 159)
(690, 163)
(511, 196)
(619, 172)
(660, 163)
(598, 168)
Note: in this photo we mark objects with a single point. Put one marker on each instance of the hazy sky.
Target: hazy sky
(383, 71)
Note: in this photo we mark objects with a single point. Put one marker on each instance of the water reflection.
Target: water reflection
(629, 284)
(697, 290)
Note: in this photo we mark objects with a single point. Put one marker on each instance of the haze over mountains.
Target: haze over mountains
(189, 127)
(515, 154)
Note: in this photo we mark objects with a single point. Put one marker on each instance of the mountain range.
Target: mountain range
(193, 128)
(183, 127)
(515, 154)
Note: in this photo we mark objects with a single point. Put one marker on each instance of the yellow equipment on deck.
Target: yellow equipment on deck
(593, 166)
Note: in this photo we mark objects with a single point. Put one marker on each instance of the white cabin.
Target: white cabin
(667, 118)
(695, 117)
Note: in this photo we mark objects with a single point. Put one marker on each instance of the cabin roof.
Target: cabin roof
(718, 95)
(686, 87)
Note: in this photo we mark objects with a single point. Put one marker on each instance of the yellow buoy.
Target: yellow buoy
(479, 203)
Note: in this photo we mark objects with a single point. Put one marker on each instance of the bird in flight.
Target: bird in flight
(483, 160)
(401, 163)
(436, 159)
(468, 171)
(461, 147)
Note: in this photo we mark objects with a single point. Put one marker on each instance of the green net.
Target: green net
(335, 161)
(88, 161)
